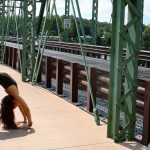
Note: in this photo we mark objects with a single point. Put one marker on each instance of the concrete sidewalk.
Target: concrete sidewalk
(57, 124)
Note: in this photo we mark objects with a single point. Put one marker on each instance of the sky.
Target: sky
(105, 9)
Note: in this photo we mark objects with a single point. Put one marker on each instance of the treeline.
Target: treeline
(103, 31)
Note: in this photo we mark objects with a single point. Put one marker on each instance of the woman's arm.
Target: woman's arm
(24, 110)
(23, 113)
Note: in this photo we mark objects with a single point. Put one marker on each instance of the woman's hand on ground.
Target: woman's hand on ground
(30, 123)
(26, 126)
(20, 122)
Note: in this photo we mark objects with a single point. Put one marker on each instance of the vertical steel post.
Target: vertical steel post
(146, 121)
(2, 14)
(124, 71)
(74, 82)
(18, 20)
(57, 22)
(14, 13)
(133, 31)
(92, 74)
(59, 76)
(81, 22)
(94, 21)
(41, 13)
(67, 10)
(28, 52)
(48, 72)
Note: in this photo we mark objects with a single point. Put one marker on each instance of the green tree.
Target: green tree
(73, 30)
(53, 26)
(146, 37)
(104, 34)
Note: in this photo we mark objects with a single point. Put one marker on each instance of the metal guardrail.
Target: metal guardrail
(89, 50)
(94, 51)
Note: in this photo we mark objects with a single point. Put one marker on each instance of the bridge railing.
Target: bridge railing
(95, 51)
(101, 52)
(74, 76)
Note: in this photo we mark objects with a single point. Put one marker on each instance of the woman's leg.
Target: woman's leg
(13, 91)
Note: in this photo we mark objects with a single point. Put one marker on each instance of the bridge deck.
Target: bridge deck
(57, 124)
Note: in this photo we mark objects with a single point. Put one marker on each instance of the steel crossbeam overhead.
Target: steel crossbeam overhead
(124, 70)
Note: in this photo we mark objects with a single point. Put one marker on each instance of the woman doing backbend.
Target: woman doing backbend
(11, 101)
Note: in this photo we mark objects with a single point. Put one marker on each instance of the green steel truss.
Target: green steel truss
(124, 69)
(8, 24)
(67, 11)
(28, 52)
(94, 21)
(67, 8)
(40, 17)
(2, 19)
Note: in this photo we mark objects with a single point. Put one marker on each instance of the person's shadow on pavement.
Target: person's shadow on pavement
(15, 133)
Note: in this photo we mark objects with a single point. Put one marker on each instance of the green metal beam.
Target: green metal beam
(10, 13)
(124, 70)
(95, 112)
(57, 22)
(67, 11)
(28, 52)
(94, 21)
(43, 4)
(81, 22)
(2, 19)
(8, 25)
(67, 8)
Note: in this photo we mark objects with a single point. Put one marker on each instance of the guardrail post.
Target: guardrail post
(105, 57)
(14, 58)
(18, 60)
(92, 73)
(48, 70)
(6, 55)
(59, 77)
(39, 77)
(73, 82)
(146, 121)
(10, 56)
